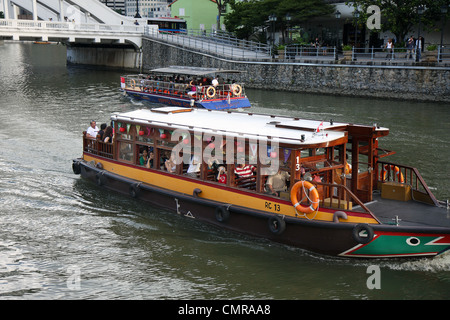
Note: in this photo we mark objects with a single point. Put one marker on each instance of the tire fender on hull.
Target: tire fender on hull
(359, 236)
(222, 214)
(277, 225)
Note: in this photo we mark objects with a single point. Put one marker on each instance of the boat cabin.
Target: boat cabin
(340, 158)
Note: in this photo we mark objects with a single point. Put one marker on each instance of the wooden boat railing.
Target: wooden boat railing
(202, 92)
(407, 175)
(98, 147)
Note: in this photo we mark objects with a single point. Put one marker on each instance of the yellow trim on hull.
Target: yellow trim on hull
(215, 192)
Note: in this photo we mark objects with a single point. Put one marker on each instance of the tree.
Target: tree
(221, 5)
(246, 16)
(401, 16)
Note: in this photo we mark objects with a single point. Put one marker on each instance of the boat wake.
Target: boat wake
(437, 264)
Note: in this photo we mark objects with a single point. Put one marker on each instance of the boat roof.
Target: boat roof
(262, 127)
(192, 71)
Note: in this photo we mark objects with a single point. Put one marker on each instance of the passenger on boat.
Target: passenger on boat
(276, 183)
(92, 131)
(215, 82)
(193, 89)
(222, 175)
(101, 132)
(244, 171)
(170, 163)
(194, 166)
(146, 159)
(108, 135)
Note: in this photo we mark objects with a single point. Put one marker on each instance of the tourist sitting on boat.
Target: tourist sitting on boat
(222, 175)
(244, 171)
(101, 131)
(108, 135)
(146, 159)
(194, 167)
(170, 163)
(92, 131)
(193, 89)
(276, 183)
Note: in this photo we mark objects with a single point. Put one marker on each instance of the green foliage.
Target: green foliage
(347, 48)
(432, 47)
(247, 17)
(400, 16)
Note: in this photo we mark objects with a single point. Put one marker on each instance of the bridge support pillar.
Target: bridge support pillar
(113, 56)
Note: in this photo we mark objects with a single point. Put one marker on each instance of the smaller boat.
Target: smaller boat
(179, 86)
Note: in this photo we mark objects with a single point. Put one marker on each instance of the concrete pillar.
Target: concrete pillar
(35, 15)
(6, 8)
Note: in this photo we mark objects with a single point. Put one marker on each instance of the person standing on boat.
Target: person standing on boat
(92, 131)
(215, 82)
(277, 182)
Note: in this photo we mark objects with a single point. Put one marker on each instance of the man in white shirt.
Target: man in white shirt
(92, 131)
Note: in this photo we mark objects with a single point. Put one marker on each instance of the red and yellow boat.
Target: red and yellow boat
(320, 186)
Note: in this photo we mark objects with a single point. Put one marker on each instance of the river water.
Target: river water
(61, 237)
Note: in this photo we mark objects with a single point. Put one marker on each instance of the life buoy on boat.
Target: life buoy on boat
(133, 83)
(210, 92)
(277, 224)
(237, 89)
(362, 233)
(313, 196)
(222, 214)
(396, 170)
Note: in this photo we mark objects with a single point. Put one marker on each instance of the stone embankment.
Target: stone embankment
(422, 83)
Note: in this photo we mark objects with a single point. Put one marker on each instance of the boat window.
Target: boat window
(125, 151)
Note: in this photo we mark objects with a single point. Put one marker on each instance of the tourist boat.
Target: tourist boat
(207, 88)
(342, 198)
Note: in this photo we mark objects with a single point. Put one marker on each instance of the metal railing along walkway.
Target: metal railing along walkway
(214, 43)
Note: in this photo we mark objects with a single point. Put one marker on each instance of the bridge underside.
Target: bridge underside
(105, 55)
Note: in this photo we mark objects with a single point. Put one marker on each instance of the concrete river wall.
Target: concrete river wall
(379, 81)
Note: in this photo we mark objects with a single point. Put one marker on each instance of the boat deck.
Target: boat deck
(409, 213)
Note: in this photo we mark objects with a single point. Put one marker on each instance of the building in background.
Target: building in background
(199, 14)
(116, 5)
(147, 8)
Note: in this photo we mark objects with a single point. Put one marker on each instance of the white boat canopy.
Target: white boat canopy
(293, 131)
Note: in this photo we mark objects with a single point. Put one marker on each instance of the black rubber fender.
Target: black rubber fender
(222, 214)
(356, 232)
(277, 225)
(100, 178)
(76, 167)
(135, 190)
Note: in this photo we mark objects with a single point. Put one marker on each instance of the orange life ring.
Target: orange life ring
(237, 89)
(313, 196)
(212, 93)
(397, 171)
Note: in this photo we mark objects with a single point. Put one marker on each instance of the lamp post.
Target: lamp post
(418, 42)
(444, 10)
(288, 19)
(137, 15)
(356, 16)
(272, 19)
(337, 15)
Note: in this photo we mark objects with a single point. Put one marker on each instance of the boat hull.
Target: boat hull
(172, 100)
(323, 237)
